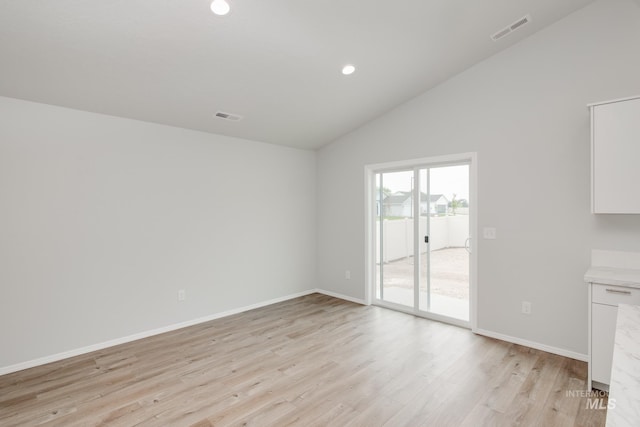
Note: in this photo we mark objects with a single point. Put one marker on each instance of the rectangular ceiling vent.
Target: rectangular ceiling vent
(511, 28)
(228, 116)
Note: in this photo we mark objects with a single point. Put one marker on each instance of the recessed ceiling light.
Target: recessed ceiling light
(220, 7)
(348, 69)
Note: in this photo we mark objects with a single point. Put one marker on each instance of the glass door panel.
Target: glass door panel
(444, 272)
(395, 238)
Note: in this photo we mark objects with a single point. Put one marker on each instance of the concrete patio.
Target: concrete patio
(449, 282)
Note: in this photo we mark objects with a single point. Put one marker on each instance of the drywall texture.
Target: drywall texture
(103, 220)
(524, 112)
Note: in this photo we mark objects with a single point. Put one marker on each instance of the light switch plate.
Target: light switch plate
(489, 233)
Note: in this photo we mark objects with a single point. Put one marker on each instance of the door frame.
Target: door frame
(370, 222)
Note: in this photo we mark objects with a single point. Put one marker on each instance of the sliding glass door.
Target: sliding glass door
(422, 235)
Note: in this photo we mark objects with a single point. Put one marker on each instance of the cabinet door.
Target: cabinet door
(603, 332)
(615, 151)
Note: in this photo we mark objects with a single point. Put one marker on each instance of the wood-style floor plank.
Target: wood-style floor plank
(311, 361)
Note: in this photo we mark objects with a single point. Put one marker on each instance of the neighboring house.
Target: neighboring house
(400, 204)
(438, 204)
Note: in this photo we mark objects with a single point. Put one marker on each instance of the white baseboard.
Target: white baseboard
(341, 296)
(100, 346)
(532, 344)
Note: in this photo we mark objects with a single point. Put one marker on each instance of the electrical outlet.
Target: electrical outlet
(347, 274)
(182, 295)
(526, 307)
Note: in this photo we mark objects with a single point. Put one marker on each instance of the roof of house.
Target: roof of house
(401, 197)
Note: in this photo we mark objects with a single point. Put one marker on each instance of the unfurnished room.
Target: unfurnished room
(294, 213)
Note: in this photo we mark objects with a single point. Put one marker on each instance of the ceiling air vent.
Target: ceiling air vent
(228, 116)
(511, 28)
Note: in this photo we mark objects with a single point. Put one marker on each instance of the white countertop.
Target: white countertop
(613, 276)
(624, 390)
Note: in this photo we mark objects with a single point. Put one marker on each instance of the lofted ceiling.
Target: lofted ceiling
(276, 63)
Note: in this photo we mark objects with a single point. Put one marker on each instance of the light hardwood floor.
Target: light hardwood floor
(311, 361)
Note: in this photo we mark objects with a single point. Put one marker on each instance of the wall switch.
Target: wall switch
(526, 307)
(182, 295)
(489, 233)
(347, 274)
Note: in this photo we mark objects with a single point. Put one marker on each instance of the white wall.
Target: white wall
(103, 219)
(524, 112)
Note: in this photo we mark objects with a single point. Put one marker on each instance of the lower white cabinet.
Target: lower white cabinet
(602, 328)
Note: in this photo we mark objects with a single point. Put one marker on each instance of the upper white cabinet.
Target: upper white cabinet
(615, 156)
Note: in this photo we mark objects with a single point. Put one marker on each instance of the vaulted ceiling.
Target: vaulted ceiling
(276, 63)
